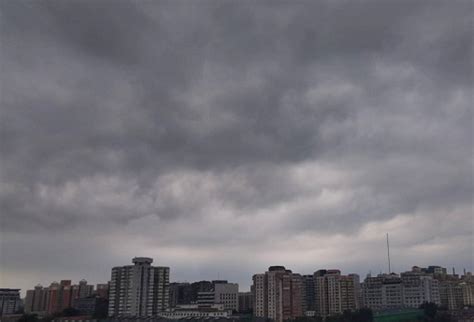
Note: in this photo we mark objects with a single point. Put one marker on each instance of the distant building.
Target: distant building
(81, 290)
(10, 301)
(180, 294)
(92, 306)
(335, 293)
(456, 292)
(245, 302)
(419, 288)
(383, 292)
(102, 291)
(451, 294)
(36, 301)
(278, 294)
(201, 286)
(139, 290)
(205, 298)
(309, 300)
(227, 294)
(409, 290)
(221, 292)
(56, 297)
(196, 311)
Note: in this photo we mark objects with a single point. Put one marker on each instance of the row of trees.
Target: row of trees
(430, 313)
(66, 312)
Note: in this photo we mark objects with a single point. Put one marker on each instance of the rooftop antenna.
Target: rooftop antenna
(388, 255)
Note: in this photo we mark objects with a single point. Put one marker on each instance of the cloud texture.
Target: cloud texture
(221, 137)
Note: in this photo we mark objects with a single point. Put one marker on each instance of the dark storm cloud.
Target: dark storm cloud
(221, 124)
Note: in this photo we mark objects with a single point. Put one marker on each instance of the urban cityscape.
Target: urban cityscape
(143, 292)
(236, 161)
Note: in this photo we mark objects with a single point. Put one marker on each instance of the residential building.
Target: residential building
(36, 300)
(309, 300)
(383, 292)
(419, 288)
(335, 293)
(10, 301)
(246, 302)
(409, 290)
(139, 290)
(82, 290)
(278, 294)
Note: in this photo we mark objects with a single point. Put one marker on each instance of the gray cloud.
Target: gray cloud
(223, 132)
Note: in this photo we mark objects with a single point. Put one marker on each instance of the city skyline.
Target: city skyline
(222, 137)
(141, 290)
(246, 286)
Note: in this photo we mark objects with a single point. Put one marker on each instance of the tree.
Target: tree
(70, 311)
(363, 315)
(429, 310)
(28, 318)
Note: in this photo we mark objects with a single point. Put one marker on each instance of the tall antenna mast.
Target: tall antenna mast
(388, 254)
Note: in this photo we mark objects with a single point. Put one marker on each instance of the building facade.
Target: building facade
(309, 300)
(56, 297)
(278, 294)
(139, 290)
(335, 293)
(227, 294)
(36, 300)
(419, 288)
(409, 290)
(246, 302)
(10, 301)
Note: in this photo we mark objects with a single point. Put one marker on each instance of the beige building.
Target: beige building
(278, 294)
(335, 293)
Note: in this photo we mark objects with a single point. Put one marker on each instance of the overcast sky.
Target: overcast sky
(221, 137)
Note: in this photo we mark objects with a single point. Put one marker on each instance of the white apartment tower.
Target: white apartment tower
(139, 290)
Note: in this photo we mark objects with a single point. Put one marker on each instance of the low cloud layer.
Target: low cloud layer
(222, 137)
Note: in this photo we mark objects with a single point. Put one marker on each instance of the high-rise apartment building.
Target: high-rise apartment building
(335, 293)
(139, 290)
(82, 290)
(278, 294)
(36, 301)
